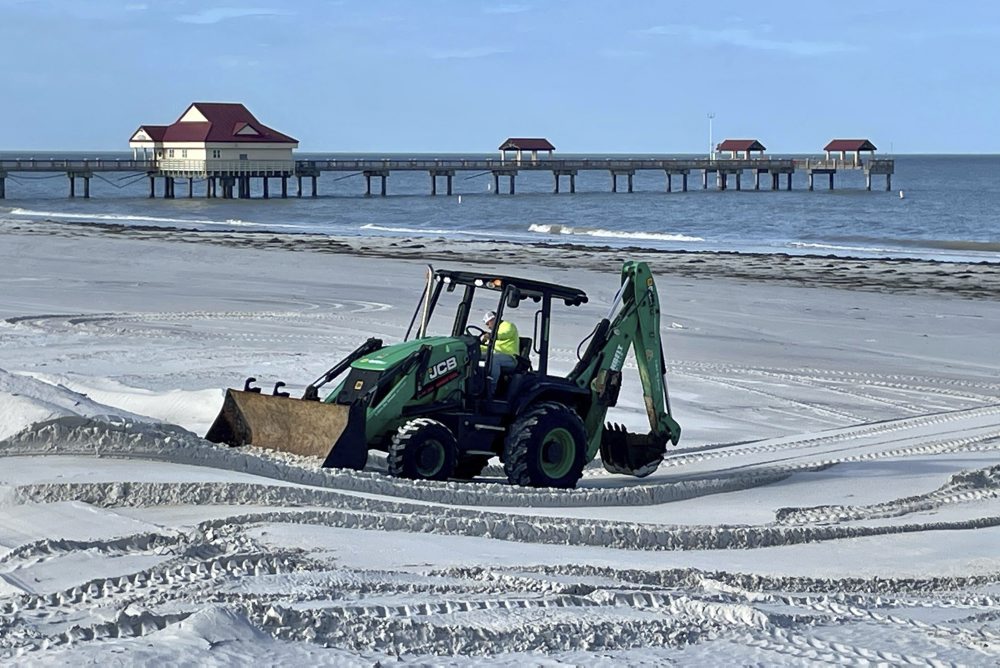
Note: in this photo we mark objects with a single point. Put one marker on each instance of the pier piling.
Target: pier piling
(72, 185)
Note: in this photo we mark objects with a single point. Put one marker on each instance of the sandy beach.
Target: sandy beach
(835, 496)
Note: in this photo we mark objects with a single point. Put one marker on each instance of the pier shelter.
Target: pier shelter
(517, 145)
(852, 146)
(220, 142)
(741, 148)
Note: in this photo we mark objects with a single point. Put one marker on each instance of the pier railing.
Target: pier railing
(549, 164)
(77, 165)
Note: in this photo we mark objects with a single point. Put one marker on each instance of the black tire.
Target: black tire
(423, 449)
(470, 466)
(546, 447)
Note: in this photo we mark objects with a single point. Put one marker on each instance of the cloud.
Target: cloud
(217, 14)
(506, 9)
(466, 54)
(746, 39)
(137, 7)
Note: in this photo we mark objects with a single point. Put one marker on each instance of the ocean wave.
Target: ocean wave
(130, 218)
(554, 228)
(421, 230)
(937, 244)
(817, 246)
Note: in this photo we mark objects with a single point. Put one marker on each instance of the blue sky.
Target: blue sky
(461, 75)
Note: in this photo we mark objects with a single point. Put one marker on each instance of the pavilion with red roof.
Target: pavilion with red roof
(745, 146)
(209, 132)
(845, 146)
(519, 144)
(217, 141)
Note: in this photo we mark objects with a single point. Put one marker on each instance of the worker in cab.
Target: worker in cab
(504, 350)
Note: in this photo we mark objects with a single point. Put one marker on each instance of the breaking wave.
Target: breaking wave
(128, 218)
(420, 230)
(553, 228)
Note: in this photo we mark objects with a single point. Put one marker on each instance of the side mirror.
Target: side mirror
(514, 298)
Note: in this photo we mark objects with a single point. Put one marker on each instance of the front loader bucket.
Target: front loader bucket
(332, 432)
(631, 454)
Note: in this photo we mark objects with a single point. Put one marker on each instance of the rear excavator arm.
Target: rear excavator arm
(633, 322)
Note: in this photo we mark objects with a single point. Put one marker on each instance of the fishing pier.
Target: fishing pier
(232, 179)
(226, 148)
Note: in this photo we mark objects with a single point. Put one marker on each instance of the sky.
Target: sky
(629, 76)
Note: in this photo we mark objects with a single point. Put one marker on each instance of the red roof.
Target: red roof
(850, 145)
(225, 121)
(527, 144)
(740, 145)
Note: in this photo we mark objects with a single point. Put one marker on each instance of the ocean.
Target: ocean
(939, 207)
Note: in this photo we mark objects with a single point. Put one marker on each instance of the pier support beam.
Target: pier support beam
(614, 179)
(72, 185)
(3, 185)
(684, 182)
(810, 181)
(868, 181)
(572, 182)
(756, 179)
(512, 184)
(774, 181)
(670, 182)
(315, 191)
(298, 185)
(555, 186)
(788, 181)
(385, 177)
(267, 194)
(152, 186)
(704, 180)
(722, 180)
(831, 180)
(888, 182)
(449, 175)
(284, 187)
(739, 175)
(496, 183)
(86, 187)
(190, 187)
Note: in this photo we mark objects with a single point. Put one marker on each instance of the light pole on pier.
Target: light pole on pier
(711, 146)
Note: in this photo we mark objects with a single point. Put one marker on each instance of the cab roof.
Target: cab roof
(529, 289)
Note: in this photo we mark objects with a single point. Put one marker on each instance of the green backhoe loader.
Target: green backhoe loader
(441, 407)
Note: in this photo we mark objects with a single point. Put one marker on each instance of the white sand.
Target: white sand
(834, 497)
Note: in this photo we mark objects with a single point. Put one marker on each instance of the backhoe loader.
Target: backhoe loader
(431, 404)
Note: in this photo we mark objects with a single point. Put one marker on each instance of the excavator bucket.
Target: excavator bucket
(332, 432)
(630, 454)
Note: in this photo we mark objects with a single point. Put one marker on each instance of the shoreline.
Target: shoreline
(966, 280)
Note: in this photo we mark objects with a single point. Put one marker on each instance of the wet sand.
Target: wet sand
(964, 280)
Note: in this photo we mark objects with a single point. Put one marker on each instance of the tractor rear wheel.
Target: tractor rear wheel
(423, 449)
(546, 447)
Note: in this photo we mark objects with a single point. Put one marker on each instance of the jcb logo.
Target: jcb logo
(442, 367)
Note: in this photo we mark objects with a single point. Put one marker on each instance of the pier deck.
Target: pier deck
(230, 174)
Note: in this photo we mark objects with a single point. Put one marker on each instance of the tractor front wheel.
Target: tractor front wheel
(546, 447)
(423, 449)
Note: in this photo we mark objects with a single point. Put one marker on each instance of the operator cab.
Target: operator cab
(509, 293)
